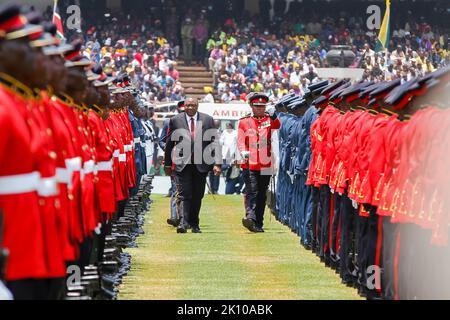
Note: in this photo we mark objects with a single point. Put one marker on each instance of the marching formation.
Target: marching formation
(76, 153)
(363, 180)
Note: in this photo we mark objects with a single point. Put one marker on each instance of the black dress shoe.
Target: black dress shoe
(181, 229)
(196, 230)
(249, 224)
(172, 222)
(259, 230)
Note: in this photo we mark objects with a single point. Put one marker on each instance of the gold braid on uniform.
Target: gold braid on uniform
(16, 86)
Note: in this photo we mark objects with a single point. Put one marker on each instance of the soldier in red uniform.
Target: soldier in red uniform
(254, 143)
(19, 178)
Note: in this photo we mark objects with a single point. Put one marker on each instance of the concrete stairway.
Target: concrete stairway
(194, 79)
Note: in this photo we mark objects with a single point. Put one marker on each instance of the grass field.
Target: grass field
(226, 261)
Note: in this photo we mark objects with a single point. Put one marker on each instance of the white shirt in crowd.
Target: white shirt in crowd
(228, 140)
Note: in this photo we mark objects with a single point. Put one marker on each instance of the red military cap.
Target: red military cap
(13, 25)
(258, 99)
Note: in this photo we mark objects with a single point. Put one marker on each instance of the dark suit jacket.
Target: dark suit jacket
(181, 149)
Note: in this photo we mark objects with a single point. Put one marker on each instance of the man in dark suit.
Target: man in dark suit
(192, 150)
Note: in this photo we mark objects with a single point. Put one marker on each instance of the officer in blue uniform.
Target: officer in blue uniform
(173, 219)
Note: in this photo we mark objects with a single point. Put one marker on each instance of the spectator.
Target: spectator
(227, 96)
(216, 54)
(188, 40)
(209, 98)
(173, 73)
(200, 33)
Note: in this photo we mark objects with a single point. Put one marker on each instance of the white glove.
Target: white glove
(271, 112)
(245, 155)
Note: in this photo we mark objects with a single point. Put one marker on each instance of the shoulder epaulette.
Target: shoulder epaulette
(246, 116)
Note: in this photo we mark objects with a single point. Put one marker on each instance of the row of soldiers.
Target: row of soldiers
(363, 179)
(73, 152)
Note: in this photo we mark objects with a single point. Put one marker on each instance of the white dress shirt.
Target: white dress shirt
(188, 119)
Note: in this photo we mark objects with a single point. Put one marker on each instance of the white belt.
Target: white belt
(73, 164)
(116, 153)
(104, 166)
(123, 157)
(48, 187)
(128, 147)
(63, 175)
(88, 167)
(20, 183)
(137, 140)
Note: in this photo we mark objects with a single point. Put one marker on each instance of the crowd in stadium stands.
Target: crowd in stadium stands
(272, 54)
(246, 58)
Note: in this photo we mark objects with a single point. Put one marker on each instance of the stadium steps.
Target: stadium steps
(194, 79)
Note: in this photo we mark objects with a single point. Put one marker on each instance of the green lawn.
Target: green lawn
(225, 261)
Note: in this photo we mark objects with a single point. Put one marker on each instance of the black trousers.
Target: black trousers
(37, 289)
(362, 237)
(348, 220)
(335, 227)
(374, 251)
(191, 190)
(256, 186)
(324, 218)
(314, 215)
(388, 258)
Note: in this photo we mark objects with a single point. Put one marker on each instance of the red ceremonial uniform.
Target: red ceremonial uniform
(73, 164)
(255, 136)
(104, 165)
(122, 190)
(48, 191)
(23, 232)
(90, 214)
(64, 151)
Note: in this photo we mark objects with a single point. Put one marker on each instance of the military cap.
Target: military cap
(126, 80)
(317, 88)
(352, 92)
(318, 85)
(320, 102)
(61, 49)
(384, 88)
(76, 47)
(400, 96)
(78, 61)
(307, 94)
(439, 73)
(364, 94)
(100, 77)
(297, 104)
(91, 76)
(258, 99)
(294, 101)
(285, 100)
(335, 95)
(48, 38)
(331, 87)
(13, 25)
(180, 105)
